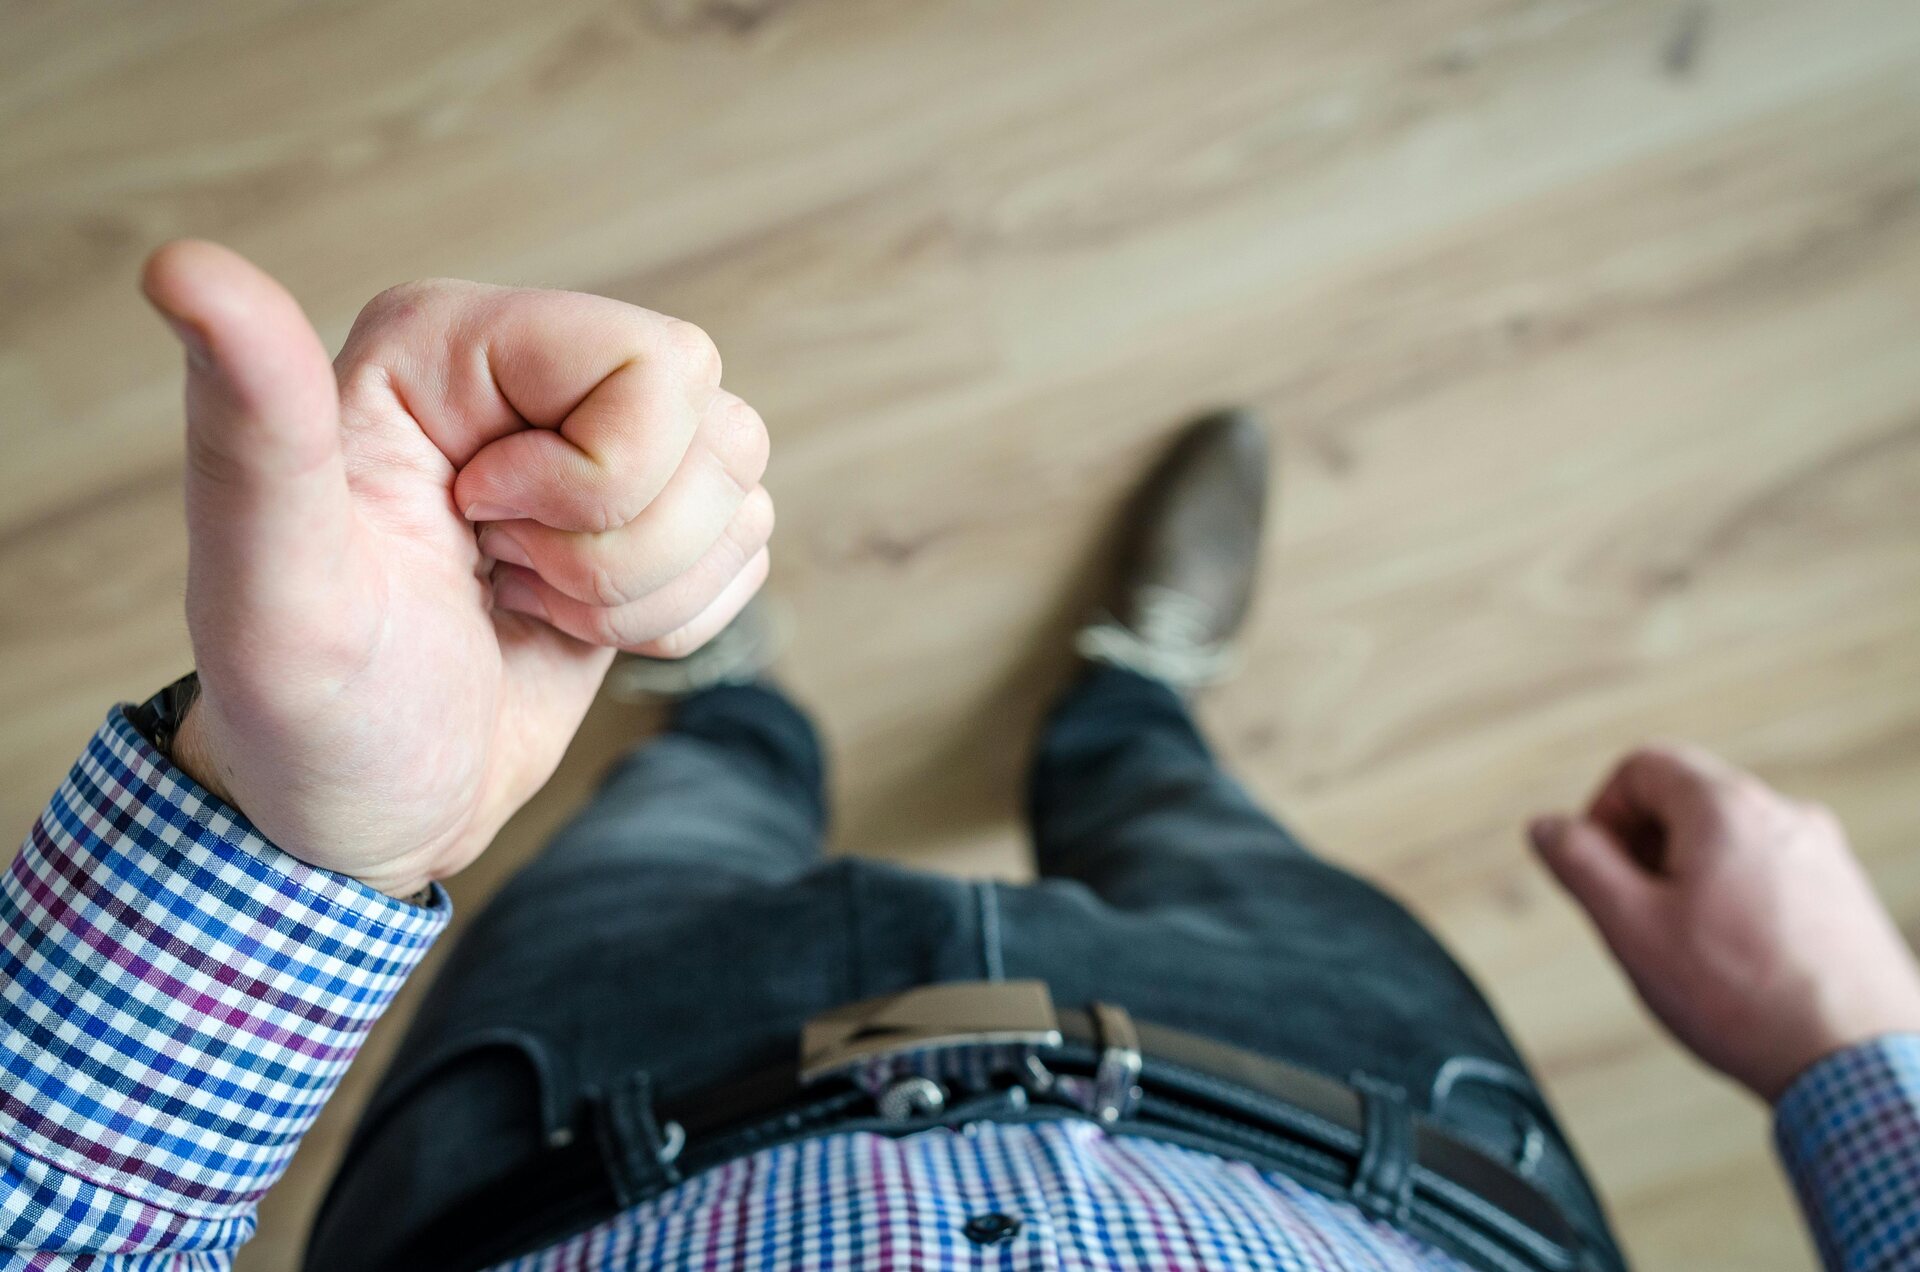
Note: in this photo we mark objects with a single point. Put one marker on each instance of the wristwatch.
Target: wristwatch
(158, 718)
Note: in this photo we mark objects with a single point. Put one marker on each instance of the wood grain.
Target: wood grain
(1590, 332)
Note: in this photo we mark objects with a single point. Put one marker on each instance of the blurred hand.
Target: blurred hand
(378, 696)
(1741, 916)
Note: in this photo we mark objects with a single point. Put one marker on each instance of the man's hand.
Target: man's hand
(1741, 915)
(378, 695)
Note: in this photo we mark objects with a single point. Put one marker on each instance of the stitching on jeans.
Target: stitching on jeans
(991, 952)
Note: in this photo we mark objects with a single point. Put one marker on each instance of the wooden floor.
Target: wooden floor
(1590, 331)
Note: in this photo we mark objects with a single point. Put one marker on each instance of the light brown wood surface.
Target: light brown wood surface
(1590, 332)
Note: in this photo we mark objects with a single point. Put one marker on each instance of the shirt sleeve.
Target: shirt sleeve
(1849, 1132)
(178, 999)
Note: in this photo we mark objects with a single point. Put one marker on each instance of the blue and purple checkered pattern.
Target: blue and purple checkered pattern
(178, 998)
(1082, 1199)
(1849, 1132)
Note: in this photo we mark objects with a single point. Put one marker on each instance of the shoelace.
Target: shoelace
(1169, 644)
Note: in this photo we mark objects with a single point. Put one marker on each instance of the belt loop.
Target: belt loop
(638, 1156)
(993, 953)
(1383, 1181)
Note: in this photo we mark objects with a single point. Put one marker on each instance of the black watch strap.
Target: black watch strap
(158, 718)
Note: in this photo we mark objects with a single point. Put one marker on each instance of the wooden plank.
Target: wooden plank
(1588, 331)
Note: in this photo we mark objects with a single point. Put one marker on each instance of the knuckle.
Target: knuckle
(599, 503)
(434, 300)
(1649, 755)
(1749, 800)
(605, 628)
(677, 643)
(1822, 817)
(761, 508)
(1651, 768)
(363, 381)
(1820, 811)
(744, 536)
(1636, 761)
(607, 498)
(603, 579)
(402, 300)
(753, 525)
(614, 511)
(691, 349)
(730, 555)
(751, 443)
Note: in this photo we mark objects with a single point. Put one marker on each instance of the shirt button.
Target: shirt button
(991, 1228)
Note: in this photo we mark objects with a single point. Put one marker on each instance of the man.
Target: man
(678, 1039)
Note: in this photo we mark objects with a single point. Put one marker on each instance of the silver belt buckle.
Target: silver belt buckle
(928, 1018)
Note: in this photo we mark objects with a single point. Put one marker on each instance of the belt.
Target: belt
(901, 1063)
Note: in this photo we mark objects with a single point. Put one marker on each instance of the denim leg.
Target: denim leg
(735, 784)
(1169, 891)
(1127, 798)
(1132, 814)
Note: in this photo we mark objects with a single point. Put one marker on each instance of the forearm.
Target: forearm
(180, 999)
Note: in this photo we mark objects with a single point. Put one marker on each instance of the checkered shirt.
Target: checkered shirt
(178, 998)
(1848, 1130)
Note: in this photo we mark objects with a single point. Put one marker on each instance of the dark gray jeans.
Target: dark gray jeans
(685, 925)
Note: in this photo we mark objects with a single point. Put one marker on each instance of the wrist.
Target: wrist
(192, 753)
(163, 721)
(1833, 1014)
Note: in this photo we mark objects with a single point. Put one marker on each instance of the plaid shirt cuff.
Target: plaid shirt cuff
(178, 998)
(1849, 1132)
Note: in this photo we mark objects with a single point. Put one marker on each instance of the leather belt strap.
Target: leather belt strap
(1359, 1142)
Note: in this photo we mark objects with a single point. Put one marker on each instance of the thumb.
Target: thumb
(1601, 875)
(267, 503)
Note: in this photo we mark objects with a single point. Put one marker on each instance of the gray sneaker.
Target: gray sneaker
(743, 652)
(1186, 580)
